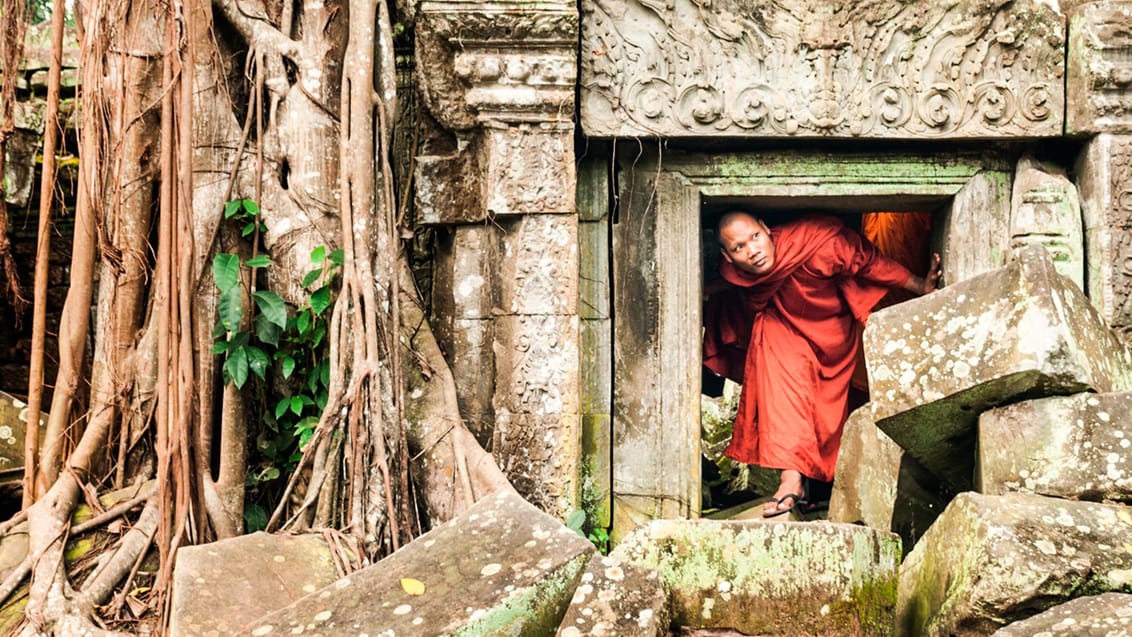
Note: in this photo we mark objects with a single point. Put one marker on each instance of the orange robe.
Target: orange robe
(791, 337)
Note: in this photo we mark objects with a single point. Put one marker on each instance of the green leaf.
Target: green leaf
(219, 347)
(258, 361)
(226, 271)
(318, 255)
(248, 229)
(282, 406)
(321, 399)
(318, 334)
(271, 473)
(266, 331)
(320, 300)
(237, 367)
(324, 372)
(231, 208)
(271, 306)
(255, 518)
(230, 307)
(303, 322)
(311, 277)
(338, 257)
(258, 261)
(576, 520)
(251, 206)
(288, 366)
(296, 405)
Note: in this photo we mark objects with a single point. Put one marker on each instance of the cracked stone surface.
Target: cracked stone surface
(502, 568)
(1021, 331)
(990, 560)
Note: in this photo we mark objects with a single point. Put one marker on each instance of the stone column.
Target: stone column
(1099, 103)
(501, 76)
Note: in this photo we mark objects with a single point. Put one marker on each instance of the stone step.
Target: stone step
(1077, 447)
(502, 568)
(990, 560)
(1022, 331)
(782, 578)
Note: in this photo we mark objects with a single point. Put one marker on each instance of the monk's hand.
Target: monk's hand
(935, 273)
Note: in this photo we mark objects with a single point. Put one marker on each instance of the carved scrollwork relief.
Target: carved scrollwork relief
(967, 68)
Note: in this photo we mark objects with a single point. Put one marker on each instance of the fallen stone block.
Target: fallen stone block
(781, 578)
(1077, 447)
(990, 560)
(1105, 615)
(502, 568)
(13, 432)
(218, 587)
(1022, 331)
(879, 485)
(617, 599)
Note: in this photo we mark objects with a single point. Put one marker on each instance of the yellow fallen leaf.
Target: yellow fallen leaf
(1128, 548)
(412, 586)
(1124, 517)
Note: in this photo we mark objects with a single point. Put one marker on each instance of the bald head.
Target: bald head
(745, 241)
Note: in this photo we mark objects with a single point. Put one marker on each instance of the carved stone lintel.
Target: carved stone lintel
(1099, 79)
(816, 68)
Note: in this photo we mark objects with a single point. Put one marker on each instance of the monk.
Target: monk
(788, 328)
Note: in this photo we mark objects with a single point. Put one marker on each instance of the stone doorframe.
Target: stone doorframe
(657, 281)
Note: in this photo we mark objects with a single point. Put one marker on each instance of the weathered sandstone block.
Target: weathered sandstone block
(616, 599)
(1104, 170)
(879, 485)
(538, 267)
(1077, 447)
(529, 168)
(992, 560)
(13, 432)
(783, 578)
(1105, 615)
(1022, 331)
(1096, 88)
(219, 587)
(502, 568)
(1046, 211)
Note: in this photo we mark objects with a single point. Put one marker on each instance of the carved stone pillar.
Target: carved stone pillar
(501, 75)
(1099, 99)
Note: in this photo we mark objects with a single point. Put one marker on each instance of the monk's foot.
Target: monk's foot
(790, 492)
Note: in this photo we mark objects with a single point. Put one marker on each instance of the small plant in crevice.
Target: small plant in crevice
(284, 352)
(580, 523)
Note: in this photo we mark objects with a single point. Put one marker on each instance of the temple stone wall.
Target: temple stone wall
(574, 330)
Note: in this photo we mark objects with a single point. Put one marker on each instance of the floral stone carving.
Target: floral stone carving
(815, 68)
